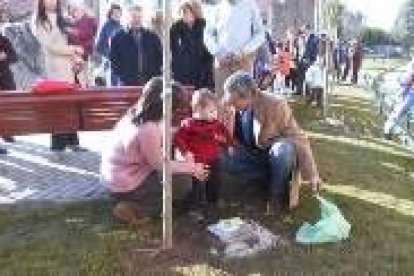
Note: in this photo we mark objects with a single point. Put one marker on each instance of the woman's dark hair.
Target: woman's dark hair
(44, 20)
(111, 10)
(149, 107)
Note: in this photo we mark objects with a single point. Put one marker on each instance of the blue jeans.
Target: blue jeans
(274, 165)
(398, 112)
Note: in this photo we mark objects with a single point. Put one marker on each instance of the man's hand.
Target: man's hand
(3, 56)
(316, 184)
(72, 31)
(224, 61)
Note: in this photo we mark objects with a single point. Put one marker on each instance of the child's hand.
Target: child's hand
(220, 138)
(189, 157)
(201, 171)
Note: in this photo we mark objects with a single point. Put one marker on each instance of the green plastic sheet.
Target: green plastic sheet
(332, 226)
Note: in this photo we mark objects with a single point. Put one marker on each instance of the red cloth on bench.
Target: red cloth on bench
(53, 87)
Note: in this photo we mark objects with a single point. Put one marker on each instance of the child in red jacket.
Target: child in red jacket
(202, 138)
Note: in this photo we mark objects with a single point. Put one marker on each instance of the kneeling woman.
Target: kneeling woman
(131, 165)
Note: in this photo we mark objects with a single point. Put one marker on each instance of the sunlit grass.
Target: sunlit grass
(402, 206)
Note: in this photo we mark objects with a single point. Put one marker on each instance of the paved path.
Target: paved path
(30, 172)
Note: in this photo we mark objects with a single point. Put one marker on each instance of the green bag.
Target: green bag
(332, 226)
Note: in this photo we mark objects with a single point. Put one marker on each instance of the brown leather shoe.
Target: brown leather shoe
(126, 212)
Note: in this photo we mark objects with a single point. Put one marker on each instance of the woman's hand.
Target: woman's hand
(3, 55)
(316, 184)
(189, 157)
(79, 51)
(201, 171)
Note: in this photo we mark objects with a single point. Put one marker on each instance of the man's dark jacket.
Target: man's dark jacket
(124, 57)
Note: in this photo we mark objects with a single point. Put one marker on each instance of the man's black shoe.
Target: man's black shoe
(9, 139)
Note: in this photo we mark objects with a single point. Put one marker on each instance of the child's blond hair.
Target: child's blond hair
(202, 97)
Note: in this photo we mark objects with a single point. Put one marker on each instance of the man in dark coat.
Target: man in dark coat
(7, 57)
(357, 60)
(136, 53)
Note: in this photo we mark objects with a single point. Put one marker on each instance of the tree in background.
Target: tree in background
(403, 30)
(333, 12)
(376, 36)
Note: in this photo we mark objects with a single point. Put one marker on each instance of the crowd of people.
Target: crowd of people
(232, 61)
(348, 56)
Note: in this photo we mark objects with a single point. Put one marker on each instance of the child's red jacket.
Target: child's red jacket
(204, 139)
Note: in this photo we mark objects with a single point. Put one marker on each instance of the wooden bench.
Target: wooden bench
(23, 113)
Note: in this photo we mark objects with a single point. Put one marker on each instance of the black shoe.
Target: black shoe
(76, 148)
(9, 139)
(54, 149)
(3, 151)
(388, 136)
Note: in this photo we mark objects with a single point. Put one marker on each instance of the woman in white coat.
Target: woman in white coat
(60, 57)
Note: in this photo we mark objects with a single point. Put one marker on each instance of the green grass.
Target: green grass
(382, 64)
(371, 180)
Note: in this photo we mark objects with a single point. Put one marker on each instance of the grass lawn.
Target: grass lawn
(382, 64)
(371, 180)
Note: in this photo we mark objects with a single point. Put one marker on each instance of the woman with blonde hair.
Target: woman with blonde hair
(192, 64)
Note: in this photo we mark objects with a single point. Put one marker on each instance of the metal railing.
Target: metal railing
(387, 94)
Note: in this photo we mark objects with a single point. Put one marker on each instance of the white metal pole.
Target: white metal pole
(167, 107)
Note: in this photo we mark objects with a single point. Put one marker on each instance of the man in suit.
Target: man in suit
(136, 53)
(269, 142)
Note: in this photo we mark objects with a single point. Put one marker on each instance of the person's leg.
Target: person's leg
(282, 162)
(354, 78)
(213, 184)
(293, 78)
(146, 199)
(9, 139)
(143, 201)
(300, 80)
(73, 142)
(242, 162)
(399, 110)
(198, 194)
(58, 142)
(319, 96)
(346, 71)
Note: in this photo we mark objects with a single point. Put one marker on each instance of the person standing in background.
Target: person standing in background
(232, 36)
(82, 33)
(110, 28)
(349, 52)
(136, 53)
(7, 57)
(301, 61)
(192, 64)
(356, 60)
(60, 57)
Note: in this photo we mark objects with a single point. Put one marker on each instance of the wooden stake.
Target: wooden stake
(167, 110)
